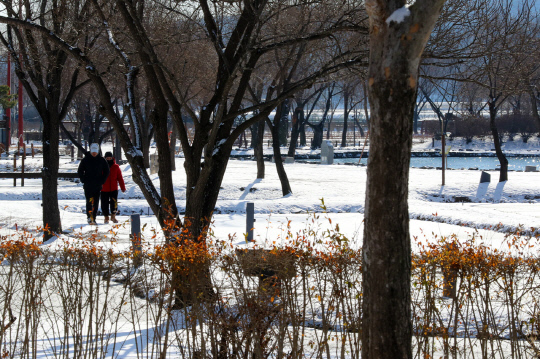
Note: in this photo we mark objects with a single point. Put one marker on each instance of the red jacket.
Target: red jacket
(115, 178)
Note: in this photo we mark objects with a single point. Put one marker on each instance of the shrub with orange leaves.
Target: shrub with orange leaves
(19, 250)
(181, 259)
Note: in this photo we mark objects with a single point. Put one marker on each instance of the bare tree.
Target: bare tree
(86, 121)
(50, 79)
(300, 118)
(318, 127)
(351, 98)
(398, 34)
(334, 104)
(502, 22)
(446, 92)
(235, 46)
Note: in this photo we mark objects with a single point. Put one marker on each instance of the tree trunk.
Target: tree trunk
(51, 211)
(303, 140)
(145, 144)
(503, 175)
(345, 119)
(168, 202)
(415, 121)
(258, 148)
(359, 127)
(284, 123)
(395, 52)
(366, 103)
(80, 153)
(275, 126)
(318, 133)
(534, 106)
(172, 147)
(387, 247)
(283, 179)
(118, 148)
(297, 120)
(319, 128)
(328, 128)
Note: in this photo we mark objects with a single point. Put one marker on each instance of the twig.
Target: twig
(12, 320)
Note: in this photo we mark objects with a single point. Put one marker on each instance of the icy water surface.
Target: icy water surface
(482, 163)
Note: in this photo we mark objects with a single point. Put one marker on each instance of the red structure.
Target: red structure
(8, 110)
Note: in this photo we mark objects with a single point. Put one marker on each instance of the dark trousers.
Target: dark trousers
(92, 203)
(109, 202)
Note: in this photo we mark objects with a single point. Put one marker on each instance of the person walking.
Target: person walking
(109, 192)
(93, 171)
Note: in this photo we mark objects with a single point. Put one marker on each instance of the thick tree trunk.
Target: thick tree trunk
(318, 133)
(297, 120)
(146, 151)
(168, 202)
(258, 148)
(200, 206)
(395, 51)
(118, 149)
(303, 140)
(503, 175)
(284, 123)
(387, 247)
(172, 146)
(51, 210)
(366, 104)
(201, 201)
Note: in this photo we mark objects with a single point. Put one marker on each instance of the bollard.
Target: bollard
(485, 177)
(270, 266)
(250, 220)
(72, 153)
(136, 239)
(32, 147)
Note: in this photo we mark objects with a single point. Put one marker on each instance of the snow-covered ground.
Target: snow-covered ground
(432, 207)
(435, 210)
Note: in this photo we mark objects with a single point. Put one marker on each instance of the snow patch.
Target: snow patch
(218, 145)
(134, 152)
(399, 15)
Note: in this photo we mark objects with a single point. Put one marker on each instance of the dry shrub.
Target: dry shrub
(299, 299)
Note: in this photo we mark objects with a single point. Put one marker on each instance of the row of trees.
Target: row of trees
(223, 67)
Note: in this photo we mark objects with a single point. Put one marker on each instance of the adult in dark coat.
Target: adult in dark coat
(93, 171)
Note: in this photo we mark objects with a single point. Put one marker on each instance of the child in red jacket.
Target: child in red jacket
(109, 192)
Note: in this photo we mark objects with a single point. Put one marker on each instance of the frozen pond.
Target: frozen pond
(482, 163)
